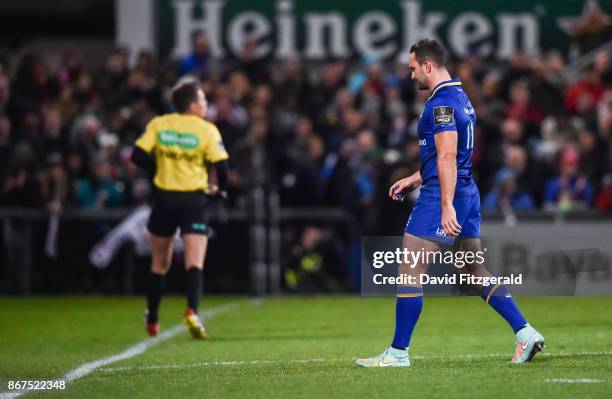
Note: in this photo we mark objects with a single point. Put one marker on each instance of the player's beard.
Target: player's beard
(422, 86)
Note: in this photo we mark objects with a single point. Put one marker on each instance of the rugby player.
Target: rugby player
(447, 210)
(180, 148)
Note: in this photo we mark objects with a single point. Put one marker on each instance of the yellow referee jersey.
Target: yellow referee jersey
(183, 145)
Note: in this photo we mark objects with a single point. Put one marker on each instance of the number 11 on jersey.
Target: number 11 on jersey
(470, 135)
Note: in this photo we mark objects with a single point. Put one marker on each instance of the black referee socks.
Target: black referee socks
(155, 289)
(193, 284)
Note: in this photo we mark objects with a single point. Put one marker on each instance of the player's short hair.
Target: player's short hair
(429, 49)
(184, 93)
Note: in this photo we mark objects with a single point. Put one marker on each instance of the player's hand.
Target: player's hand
(397, 189)
(451, 227)
(214, 191)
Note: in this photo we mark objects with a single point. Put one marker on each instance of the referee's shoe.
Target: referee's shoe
(151, 327)
(194, 324)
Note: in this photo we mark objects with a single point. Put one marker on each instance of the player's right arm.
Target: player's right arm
(409, 183)
(141, 153)
(446, 148)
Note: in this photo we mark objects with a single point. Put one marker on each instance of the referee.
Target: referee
(180, 148)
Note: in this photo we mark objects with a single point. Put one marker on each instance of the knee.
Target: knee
(160, 267)
(407, 270)
(476, 269)
(194, 258)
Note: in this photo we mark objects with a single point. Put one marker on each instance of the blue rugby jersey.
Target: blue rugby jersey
(448, 109)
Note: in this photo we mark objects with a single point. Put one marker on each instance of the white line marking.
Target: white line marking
(575, 380)
(225, 363)
(130, 352)
(330, 360)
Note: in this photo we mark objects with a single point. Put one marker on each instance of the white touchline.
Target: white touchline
(130, 352)
(331, 360)
(226, 363)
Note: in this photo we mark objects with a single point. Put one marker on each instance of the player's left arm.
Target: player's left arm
(217, 157)
(446, 149)
(221, 169)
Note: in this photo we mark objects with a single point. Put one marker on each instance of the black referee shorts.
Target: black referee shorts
(172, 209)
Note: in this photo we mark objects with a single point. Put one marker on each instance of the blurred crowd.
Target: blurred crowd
(337, 133)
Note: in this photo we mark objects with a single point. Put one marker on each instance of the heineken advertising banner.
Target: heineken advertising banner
(319, 29)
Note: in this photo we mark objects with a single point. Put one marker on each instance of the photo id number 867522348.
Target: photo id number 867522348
(36, 385)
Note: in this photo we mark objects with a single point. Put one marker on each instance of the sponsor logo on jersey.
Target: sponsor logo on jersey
(183, 140)
(444, 115)
(178, 156)
(440, 232)
(422, 141)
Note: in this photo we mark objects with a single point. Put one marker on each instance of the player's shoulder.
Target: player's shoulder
(442, 108)
(208, 126)
(165, 120)
(156, 120)
(200, 124)
(446, 97)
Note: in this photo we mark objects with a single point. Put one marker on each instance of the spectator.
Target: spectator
(511, 135)
(603, 202)
(85, 135)
(111, 80)
(5, 143)
(545, 88)
(34, 83)
(522, 108)
(254, 68)
(54, 184)
(71, 68)
(197, 63)
(604, 115)
(292, 88)
(571, 189)
(22, 184)
(603, 68)
(589, 88)
(98, 190)
(507, 193)
(52, 139)
(5, 94)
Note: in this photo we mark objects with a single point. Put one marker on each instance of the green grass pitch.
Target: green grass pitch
(304, 347)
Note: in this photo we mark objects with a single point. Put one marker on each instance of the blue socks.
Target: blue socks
(407, 311)
(500, 299)
(410, 303)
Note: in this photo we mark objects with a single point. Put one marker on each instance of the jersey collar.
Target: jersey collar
(452, 82)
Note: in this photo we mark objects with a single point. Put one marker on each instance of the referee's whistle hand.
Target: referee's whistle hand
(451, 226)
